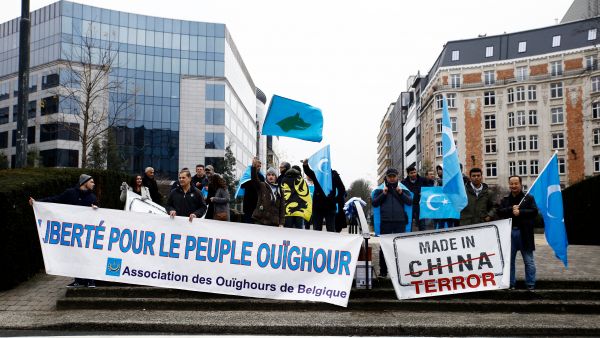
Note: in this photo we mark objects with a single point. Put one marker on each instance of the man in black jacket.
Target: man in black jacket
(523, 210)
(251, 194)
(323, 205)
(391, 201)
(82, 195)
(414, 183)
(186, 200)
(149, 181)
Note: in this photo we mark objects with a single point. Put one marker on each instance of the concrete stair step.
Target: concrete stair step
(305, 323)
(532, 305)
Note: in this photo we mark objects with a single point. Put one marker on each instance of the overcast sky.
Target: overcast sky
(349, 58)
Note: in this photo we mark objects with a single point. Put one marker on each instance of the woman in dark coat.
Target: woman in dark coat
(269, 207)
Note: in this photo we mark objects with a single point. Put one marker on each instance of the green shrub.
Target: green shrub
(19, 241)
(581, 201)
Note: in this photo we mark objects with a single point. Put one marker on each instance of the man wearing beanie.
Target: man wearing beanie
(83, 195)
(269, 208)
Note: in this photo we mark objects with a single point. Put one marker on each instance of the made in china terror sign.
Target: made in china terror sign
(456, 260)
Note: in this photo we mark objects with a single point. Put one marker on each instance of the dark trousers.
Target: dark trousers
(388, 228)
(318, 217)
(296, 222)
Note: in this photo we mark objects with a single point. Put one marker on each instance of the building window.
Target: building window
(215, 92)
(511, 119)
(597, 164)
(50, 80)
(490, 145)
(510, 95)
(558, 141)
(451, 100)
(532, 93)
(533, 117)
(49, 105)
(561, 166)
(489, 121)
(439, 150)
(4, 115)
(522, 46)
(521, 119)
(489, 51)
(511, 144)
(556, 41)
(522, 167)
(30, 136)
(215, 116)
(522, 73)
(534, 166)
(215, 141)
(596, 110)
(557, 115)
(59, 158)
(512, 168)
(489, 77)
(439, 101)
(521, 143)
(453, 124)
(592, 34)
(533, 142)
(556, 90)
(591, 62)
(520, 93)
(491, 169)
(4, 140)
(4, 90)
(596, 137)
(595, 84)
(489, 98)
(59, 131)
(455, 80)
(438, 126)
(455, 55)
(556, 68)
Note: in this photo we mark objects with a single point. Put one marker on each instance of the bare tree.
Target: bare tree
(94, 99)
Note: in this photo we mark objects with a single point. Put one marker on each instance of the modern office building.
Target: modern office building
(187, 91)
(514, 99)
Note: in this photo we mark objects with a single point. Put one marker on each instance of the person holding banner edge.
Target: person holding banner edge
(186, 200)
(82, 195)
(391, 200)
(523, 210)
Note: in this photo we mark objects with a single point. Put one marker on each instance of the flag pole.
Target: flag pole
(546, 166)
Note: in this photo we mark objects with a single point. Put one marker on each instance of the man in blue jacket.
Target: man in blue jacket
(80, 195)
(391, 200)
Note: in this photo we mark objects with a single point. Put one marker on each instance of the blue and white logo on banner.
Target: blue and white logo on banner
(113, 266)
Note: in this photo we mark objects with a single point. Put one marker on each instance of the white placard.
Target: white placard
(456, 260)
(205, 255)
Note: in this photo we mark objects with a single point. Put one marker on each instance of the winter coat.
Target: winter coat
(321, 202)
(269, 207)
(202, 180)
(478, 207)
(145, 193)
(221, 201)
(186, 203)
(153, 188)
(250, 199)
(73, 196)
(340, 199)
(391, 205)
(527, 213)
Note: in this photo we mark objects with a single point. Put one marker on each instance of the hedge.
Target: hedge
(581, 202)
(19, 241)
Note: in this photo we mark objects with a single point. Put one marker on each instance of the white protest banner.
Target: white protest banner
(206, 255)
(136, 203)
(456, 260)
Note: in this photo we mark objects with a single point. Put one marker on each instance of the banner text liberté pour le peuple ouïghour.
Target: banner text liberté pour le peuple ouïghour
(205, 255)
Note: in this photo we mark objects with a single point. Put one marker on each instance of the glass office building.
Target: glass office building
(188, 92)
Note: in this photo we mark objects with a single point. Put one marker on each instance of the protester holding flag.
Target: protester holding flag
(480, 205)
(250, 199)
(391, 201)
(340, 199)
(83, 195)
(324, 204)
(200, 180)
(296, 197)
(523, 210)
(270, 207)
(414, 183)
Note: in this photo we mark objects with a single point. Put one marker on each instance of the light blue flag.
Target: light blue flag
(548, 197)
(435, 204)
(295, 119)
(246, 176)
(377, 215)
(320, 163)
(453, 185)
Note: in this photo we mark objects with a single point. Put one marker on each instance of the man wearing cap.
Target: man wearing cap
(82, 195)
(391, 200)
